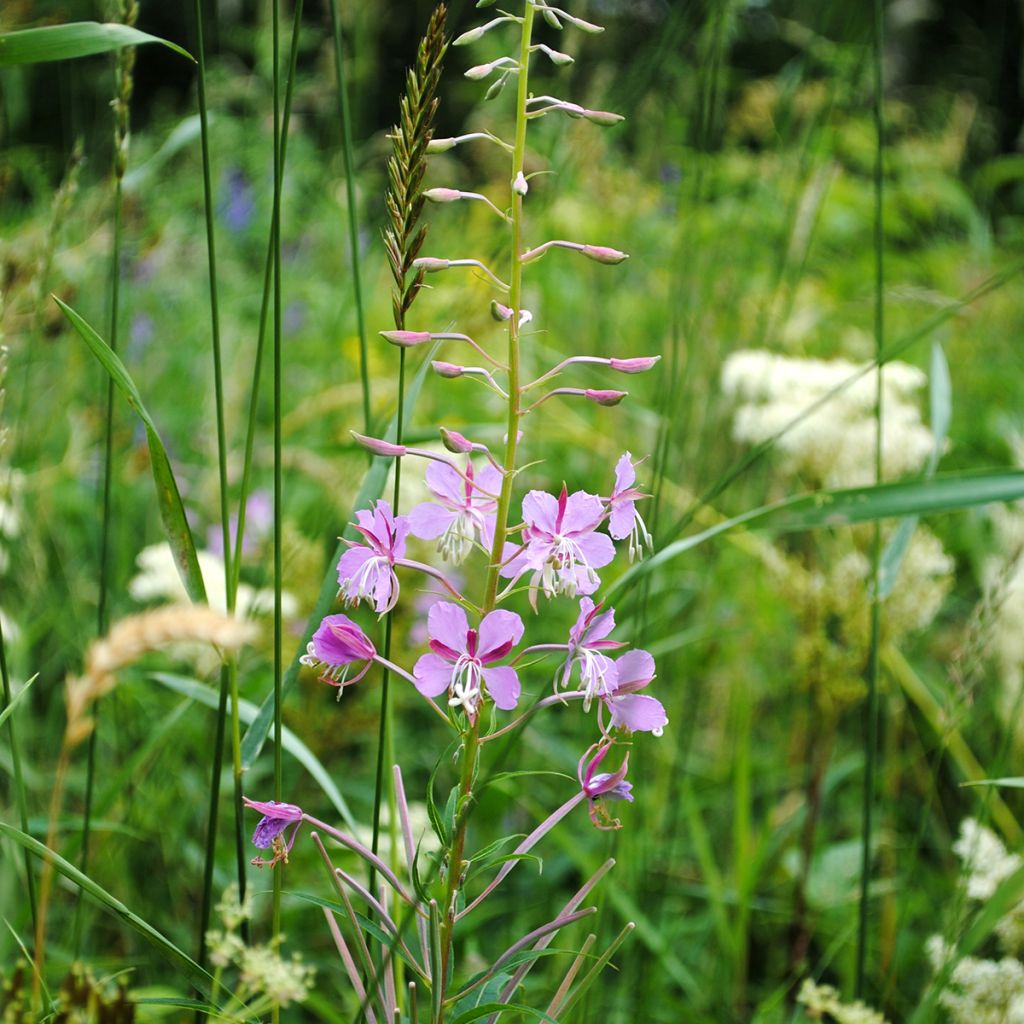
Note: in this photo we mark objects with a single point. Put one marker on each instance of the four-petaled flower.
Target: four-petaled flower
(463, 659)
(560, 546)
(586, 643)
(464, 509)
(367, 570)
(624, 520)
(629, 709)
(337, 643)
(599, 785)
(276, 818)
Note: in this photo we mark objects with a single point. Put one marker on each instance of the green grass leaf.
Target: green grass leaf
(18, 697)
(75, 39)
(172, 512)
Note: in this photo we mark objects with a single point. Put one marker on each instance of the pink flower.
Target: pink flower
(276, 818)
(462, 658)
(630, 710)
(560, 545)
(586, 643)
(337, 643)
(367, 570)
(464, 510)
(599, 785)
(624, 520)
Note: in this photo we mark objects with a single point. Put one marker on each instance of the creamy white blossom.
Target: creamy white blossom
(980, 991)
(822, 1001)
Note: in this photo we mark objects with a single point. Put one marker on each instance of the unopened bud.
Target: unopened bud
(499, 312)
(550, 18)
(605, 397)
(471, 36)
(442, 195)
(604, 117)
(638, 364)
(378, 446)
(520, 186)
(406, 339)
(479, 71)
(456, 442)
(602, 253)
(556, 56)
(449, 370)
(432, 263)
(585, 26)
(441, 145)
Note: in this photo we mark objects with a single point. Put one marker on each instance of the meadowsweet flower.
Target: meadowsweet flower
(599, 786)
(338, 643)
(586, 644)
(822, 1001)
(366, 571)
(561, 548)
(462, 512)
(277, 816)
(282, 981)
(463, 659)
(624, 520)
(980, 991)
(629, 709)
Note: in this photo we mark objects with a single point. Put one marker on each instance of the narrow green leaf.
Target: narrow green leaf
(372, 488)
(18, 697)
(112, 904)
(1013, 782)
(486, 1009)
(183, 134)
(172, 512)
(75, 39)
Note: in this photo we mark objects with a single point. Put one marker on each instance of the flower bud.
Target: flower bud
(520, 185)
(442, 195)
(456, 442)
(378, 446)
(406, 339)
(449, 370)
(479, 71)
(471, 36)
(585, 26)
(550, 17)
(440, 145)
(638, 364)
(602, 254)
(432, 263)
(603, 117)
(604, 397)
(499, 312)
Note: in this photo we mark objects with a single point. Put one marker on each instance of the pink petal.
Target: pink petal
(385, 589)
(625, 473)
(540, 510)
(597, 549)
(498, 628)
(514, 566)
(503, 686)
(401, 532)
(428, 521)
(583, 512)
(447, 622)
(600, 626)
(620, 523)
(636, 670)
(433, 675)
(446, 483)
(637, 712)
(352, 561)
(489, 480)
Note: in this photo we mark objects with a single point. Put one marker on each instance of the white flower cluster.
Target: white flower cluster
(1003, 578)
(835, 444)
(821, 1001)
(980, 991)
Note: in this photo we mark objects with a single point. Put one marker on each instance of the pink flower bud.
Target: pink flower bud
(602, 253)
(520, 186)
(603, 117)
(378, 446)
(432, 263)
(604, 397)
(449, 370)
(406, 339)
(500, 312)
(638, 364)
(456, 442)
(479, 71)
(442, 195)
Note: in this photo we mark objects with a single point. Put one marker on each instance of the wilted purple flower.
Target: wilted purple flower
(276, 818)
(367, 570)
(586, 642)
(631, 710)
(560, 545)
(337, 643)
(464, 509)
(624, 520)
(599, 785)
(462, 660)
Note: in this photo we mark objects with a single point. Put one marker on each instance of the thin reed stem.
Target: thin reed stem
(872, 705)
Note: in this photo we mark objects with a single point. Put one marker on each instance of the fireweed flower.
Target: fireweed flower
(624, 520)
(337, 643)
(463, 659)
(599, 785)
(560, 545)
(367, 570)
(463, 512)
(598, 674)
(630, 710)
(276, 818)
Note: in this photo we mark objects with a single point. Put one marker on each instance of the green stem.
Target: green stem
(871, 710)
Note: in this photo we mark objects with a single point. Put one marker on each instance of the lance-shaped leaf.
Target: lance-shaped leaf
(75, 39)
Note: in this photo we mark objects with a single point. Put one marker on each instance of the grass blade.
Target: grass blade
(75, 39)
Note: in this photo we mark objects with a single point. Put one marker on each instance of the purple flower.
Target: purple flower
(463, 511)
(367, 570)
(276, 818)
(624, 520)
(586, 643)
(600, 785)
(560, 545)
(631, 710)
(462, 660)
(237, 207)
(259, 517)
(337, 643)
